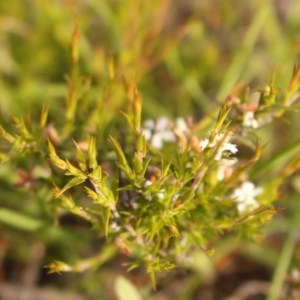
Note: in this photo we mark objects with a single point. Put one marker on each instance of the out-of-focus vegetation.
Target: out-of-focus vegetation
(67, 69)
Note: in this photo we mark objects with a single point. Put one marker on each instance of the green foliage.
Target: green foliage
(155, 190)
(156, 205)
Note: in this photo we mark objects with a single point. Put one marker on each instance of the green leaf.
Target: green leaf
(128, 119)
(138, 163)
(119, 152)
(126, 290)
(72, 170)
(92, 152)
(6, 135)
(18, 220)
(102, 195)
(58, 162)
(80, 157)
(73, 182)
(91, 194)
(146, 164)
(106, 216)
(122, 159)
(67, 201)
(44, 117)
(58, 267)
(137, 109)
(96, 175)
(24, 128)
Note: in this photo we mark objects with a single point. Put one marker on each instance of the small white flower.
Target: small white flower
(147, 183)
(249, 120)
(115, 227)
(181, 125)
(149, 126)
(226, 147)
(162, 124)
(220, 141)
(158, 132)
(159, 138)
(163, 130)
(203, 144)
(245, 196)
(225, 168)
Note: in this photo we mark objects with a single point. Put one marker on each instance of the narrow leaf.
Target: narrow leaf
(92, 152)
(58, 162)
(119, 151)
(80, 157)
(6, 135)
(44, 117)
(122, 159)
(73, 182)
(106, 217)
(72, 170)
(18, 220)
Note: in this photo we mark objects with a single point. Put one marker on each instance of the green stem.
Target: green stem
(283, 264)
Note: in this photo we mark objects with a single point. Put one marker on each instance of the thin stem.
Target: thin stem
(283, 264)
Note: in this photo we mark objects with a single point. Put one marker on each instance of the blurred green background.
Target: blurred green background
(186, 55)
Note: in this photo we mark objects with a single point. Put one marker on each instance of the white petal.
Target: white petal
(229, 147)
(203, 144)
(249, 120)
(149, 124)
(181, 125)
(245, 196)
(243, 206)
(167, 136)
(225, 167)
(147, 133)
(147, 183)
(162, 124)
(156, 141)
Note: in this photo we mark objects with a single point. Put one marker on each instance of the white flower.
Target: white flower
(162, 130)
(162, 124)
(149, 126)
(245, 196)
(221, 142)
(181, 125)
(225, 168)
(249, 120)
(115, 227)
(203, 144)
(226, 147)
(158, 132)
